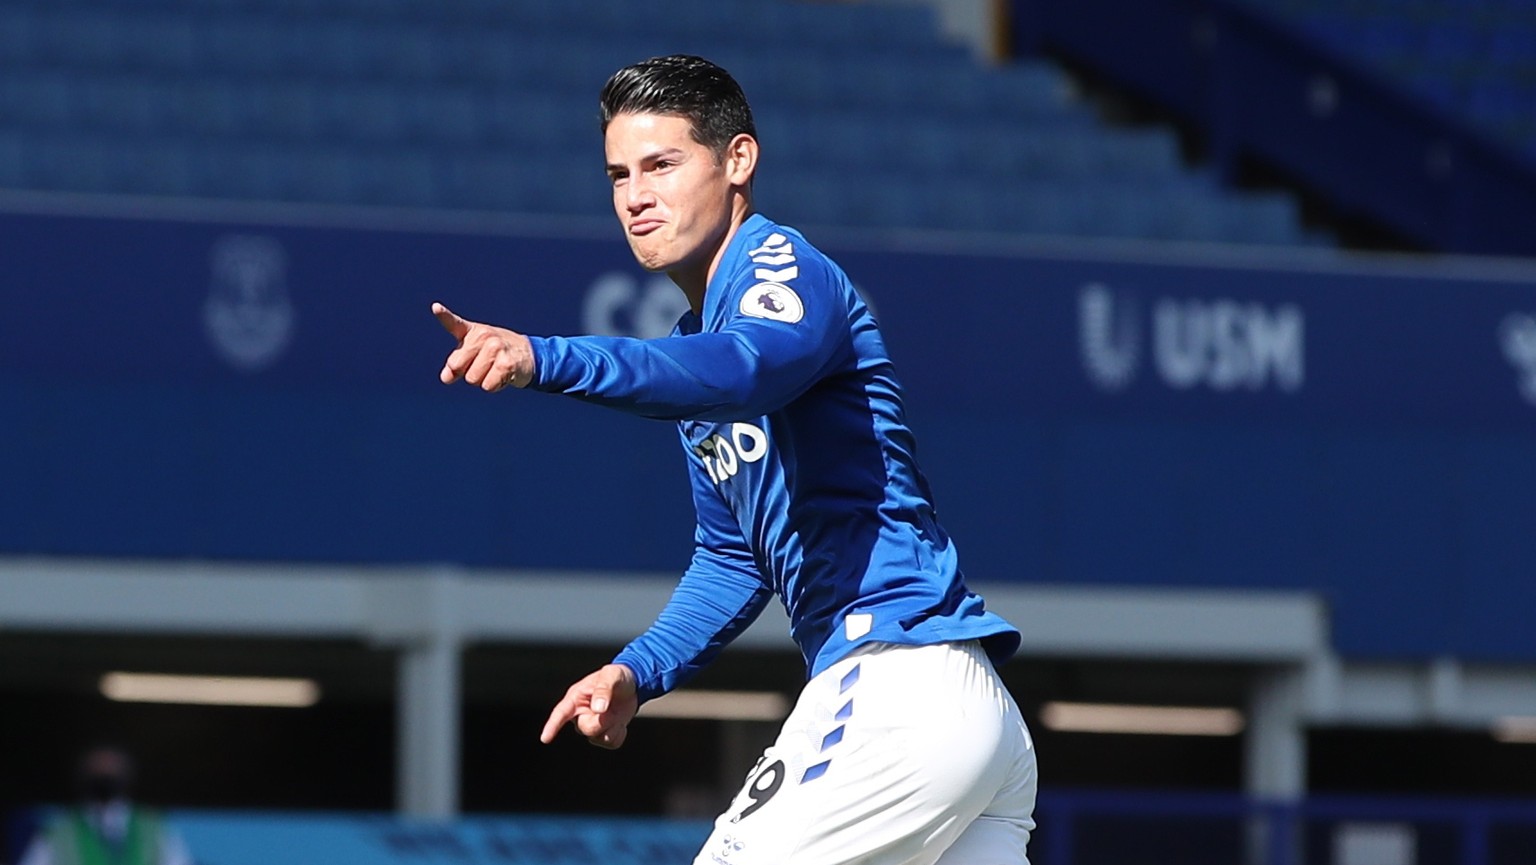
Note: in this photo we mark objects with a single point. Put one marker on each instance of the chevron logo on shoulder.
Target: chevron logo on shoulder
(775, 253)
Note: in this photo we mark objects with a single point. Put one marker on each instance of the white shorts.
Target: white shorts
(896, 755)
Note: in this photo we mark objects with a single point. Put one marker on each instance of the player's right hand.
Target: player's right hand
(601, 705)
(491, 357)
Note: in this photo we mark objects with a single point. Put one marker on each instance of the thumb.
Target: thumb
(613, 680)
(450, 322)
(602, 696)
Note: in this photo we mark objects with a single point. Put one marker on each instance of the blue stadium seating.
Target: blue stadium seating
(868, 117)
(1473, 59)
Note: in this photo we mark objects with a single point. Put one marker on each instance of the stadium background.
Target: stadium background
(1217, 320)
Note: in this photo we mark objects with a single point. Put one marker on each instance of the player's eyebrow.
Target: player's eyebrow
(652, 157)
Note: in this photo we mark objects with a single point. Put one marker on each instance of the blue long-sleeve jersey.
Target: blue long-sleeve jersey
(803, 470)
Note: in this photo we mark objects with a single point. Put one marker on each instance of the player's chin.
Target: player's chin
(654, 263)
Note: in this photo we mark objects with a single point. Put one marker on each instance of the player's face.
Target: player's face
(672, 195)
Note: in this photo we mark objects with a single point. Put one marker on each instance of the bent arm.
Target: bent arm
(719, 595)
(713, 603)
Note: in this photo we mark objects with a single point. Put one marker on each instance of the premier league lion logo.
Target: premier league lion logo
(774, 301)
(770, 301)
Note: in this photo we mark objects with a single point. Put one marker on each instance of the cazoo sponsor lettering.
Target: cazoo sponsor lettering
(724, 454)
(1217, 343)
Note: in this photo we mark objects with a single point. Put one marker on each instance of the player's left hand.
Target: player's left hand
(601, 705)
(491, 357)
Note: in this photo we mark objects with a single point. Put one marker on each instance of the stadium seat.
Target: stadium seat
(369, 114)
(248, 46)
(39, 101)
(495, 58)
(118, 105)
(512, 117)
(17, 40)
(12, 160)
(82, 38)
(408, 179)
(164, 44)
(69, 163)
(448, 116)
(153, 166)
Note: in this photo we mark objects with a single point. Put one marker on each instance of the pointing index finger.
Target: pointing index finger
(450, 322)
(563, 712)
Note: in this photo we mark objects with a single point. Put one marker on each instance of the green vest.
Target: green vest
(73, 841)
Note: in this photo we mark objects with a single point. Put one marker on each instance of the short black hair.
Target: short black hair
(681, 85)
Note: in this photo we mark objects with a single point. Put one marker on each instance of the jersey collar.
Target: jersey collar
(714, 293)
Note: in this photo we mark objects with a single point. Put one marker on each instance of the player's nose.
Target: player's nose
(638, 196)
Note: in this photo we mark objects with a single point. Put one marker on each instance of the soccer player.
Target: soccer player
(904, 746)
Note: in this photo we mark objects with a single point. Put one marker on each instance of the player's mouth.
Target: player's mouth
(642, 227)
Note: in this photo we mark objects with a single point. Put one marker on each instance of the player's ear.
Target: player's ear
(741, 159)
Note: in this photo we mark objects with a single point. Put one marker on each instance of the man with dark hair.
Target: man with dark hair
(106, 827)
(904, 746)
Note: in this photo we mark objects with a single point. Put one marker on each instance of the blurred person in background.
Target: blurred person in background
(905, 747)
(106, 827)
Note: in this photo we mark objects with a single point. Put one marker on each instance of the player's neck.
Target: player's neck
(694, 280)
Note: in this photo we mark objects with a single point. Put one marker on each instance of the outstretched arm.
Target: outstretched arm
(751, 366)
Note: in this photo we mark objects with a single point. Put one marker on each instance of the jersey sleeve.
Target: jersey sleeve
(719, 595)
(769, 351)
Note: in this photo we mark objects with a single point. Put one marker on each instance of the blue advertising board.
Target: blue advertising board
(216, 389)
(1077, 827)
(216, 837)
